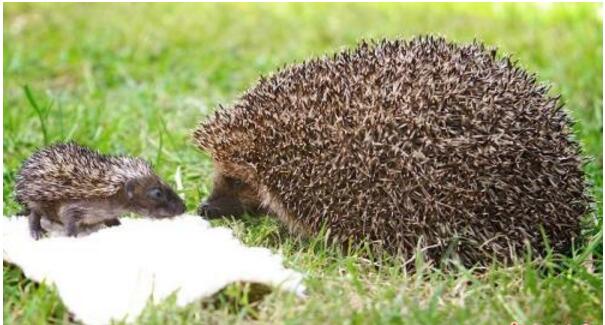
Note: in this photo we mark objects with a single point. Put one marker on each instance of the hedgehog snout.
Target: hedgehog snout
(220, 207)
(180, 208)
(203, 209)
(175, 204)
(209, 211)
(169, 208)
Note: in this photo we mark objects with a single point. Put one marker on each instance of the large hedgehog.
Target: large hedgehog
(404, 144)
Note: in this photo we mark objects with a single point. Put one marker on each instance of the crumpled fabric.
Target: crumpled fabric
(113, 272)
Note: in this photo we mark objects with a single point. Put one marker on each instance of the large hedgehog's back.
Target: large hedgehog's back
(399, 142)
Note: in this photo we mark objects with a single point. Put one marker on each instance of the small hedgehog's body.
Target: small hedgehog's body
(76, 186)
(424, 144)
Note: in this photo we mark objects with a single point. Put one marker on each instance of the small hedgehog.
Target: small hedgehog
(404, 144)
(76, 186)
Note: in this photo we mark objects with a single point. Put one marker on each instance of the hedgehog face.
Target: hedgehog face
(149, 196)
(230, 197)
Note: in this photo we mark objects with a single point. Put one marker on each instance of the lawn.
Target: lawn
(137, 78)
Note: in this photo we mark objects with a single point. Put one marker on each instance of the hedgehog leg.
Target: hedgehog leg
(71, 227)
(69, 216)
(35, 228)
(112, 222)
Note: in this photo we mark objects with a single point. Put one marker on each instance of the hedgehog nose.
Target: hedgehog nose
(203, 209)
(182, 208)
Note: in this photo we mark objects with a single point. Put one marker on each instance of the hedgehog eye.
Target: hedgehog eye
(235, 183)
(155, 193)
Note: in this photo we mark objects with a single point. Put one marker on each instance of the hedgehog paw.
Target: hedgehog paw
(112, 222)
(37, 233)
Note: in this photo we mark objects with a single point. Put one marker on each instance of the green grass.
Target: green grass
(137, 78)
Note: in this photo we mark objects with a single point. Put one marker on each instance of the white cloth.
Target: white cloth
(111, 273)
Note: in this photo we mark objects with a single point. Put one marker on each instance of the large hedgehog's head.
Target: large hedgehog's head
(235, 190)
(231, 196)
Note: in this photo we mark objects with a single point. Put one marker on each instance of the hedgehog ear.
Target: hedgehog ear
(129, 189)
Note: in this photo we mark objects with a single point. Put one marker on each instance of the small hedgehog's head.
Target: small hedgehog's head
(231, 196)
(149, 196)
